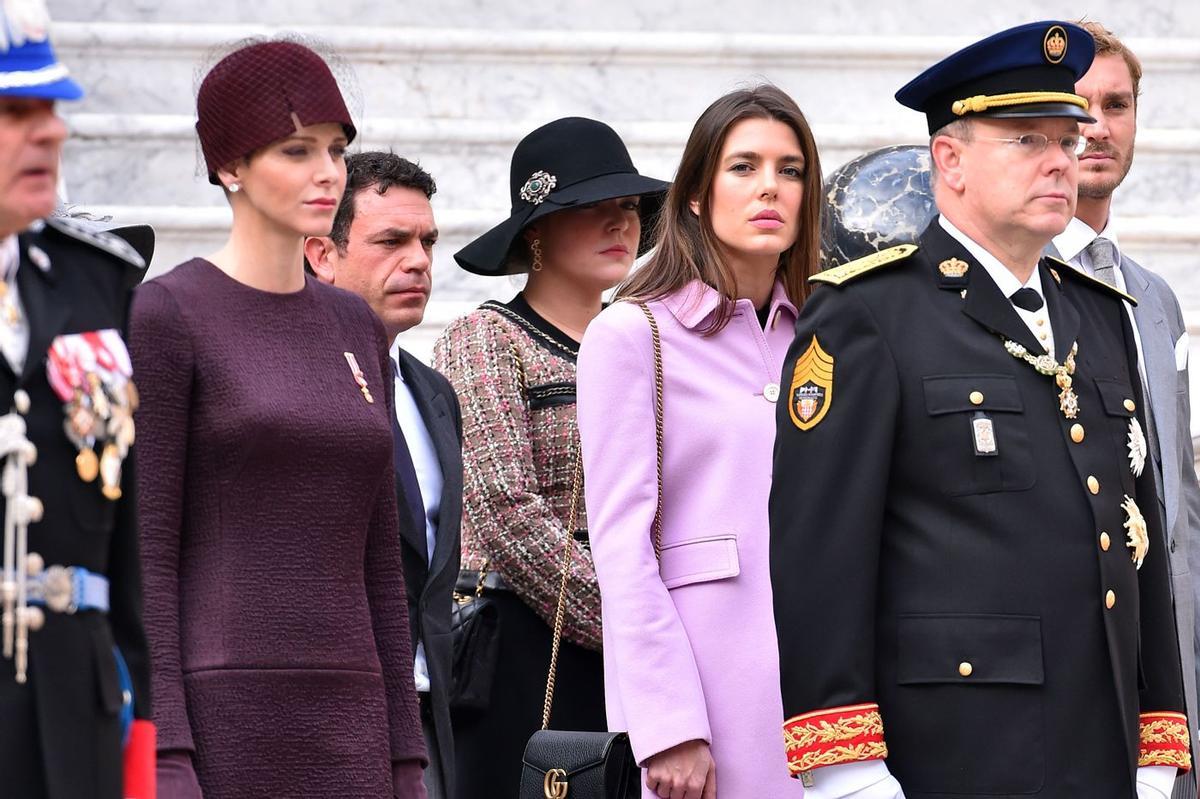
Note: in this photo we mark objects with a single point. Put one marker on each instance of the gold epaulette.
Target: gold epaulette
(846, 272)
(1064, 267)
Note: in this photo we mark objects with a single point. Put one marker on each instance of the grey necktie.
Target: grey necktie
(1103, 255)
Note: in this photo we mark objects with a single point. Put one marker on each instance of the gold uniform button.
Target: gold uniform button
(1042, 336)
(1093, 484)
(1041, 322)
(1077, 433)
(1110, 599)
(965, 669)
(1105, 541)
(1130, 405)
(976, 397)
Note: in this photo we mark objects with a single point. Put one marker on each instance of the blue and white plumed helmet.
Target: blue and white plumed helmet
(28, 66)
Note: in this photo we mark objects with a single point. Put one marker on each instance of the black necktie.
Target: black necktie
(406, 473)
(1027, 299)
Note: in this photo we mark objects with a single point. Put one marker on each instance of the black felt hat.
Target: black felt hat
(1026, 71)
(564, 164)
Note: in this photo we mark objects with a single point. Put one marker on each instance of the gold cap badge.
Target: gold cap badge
(953, 267)
(1054, 45)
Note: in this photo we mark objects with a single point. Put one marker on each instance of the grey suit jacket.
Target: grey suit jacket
(431, 584)
(1160, 325)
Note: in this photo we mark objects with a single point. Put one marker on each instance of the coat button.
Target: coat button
(1105, 541)
(1172, 545)
(1093, 484)
(976, 397)
(1110, 599)
(1077, 433)
(771, 391)
(965, 668)
(1130, 405)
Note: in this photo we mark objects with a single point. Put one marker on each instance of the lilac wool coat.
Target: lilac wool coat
(689, 641)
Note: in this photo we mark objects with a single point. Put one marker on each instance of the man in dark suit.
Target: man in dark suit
(1091, 243)
(965, 556)
(74, 671)
(381, 248)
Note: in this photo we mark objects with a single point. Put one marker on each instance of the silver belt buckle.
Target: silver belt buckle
(58, 589)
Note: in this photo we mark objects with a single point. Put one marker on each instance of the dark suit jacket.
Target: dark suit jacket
(986, 604)
(430, 585)
(59, 733)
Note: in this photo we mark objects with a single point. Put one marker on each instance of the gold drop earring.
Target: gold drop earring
(535, 247)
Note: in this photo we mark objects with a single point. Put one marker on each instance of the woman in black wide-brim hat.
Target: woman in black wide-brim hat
(580, 214)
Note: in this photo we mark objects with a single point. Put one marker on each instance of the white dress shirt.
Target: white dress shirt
(1037, 321)
(429, 479)
(1072, 244)
(14, 335)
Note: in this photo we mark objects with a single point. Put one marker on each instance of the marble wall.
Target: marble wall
(455, 84)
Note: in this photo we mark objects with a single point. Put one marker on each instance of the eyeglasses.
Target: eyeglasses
(1034, 144)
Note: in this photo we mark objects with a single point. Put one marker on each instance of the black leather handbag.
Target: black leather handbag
(475, 642)
(588, 765)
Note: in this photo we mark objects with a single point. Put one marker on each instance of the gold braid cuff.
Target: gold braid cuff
(1164, 740)
(982, 102)
(832, 736)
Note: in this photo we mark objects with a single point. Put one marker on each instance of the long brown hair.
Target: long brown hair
(688, 248)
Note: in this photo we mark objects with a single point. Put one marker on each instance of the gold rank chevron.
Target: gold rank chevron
(814, 367)
(846, 272)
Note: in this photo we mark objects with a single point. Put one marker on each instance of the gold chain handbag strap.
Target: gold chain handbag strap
(573, 513)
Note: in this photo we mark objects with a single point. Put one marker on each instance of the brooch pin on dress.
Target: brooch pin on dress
(359, 378)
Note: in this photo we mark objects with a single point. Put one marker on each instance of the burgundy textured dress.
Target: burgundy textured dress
(275, 601)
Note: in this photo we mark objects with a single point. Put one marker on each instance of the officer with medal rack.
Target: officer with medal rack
(74, 671)
(971, 590)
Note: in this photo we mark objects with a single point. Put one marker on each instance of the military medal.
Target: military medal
(1137, 447)
(1138, 539)
(91, 373)
(359, 378)
(1068, 400)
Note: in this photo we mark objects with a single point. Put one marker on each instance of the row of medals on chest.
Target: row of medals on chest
(96, 415)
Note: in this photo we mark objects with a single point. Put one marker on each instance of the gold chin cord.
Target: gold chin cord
(20, 510)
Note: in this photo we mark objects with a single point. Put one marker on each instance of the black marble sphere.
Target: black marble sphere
(878, 200)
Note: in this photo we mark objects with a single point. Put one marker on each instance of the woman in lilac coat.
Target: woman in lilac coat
(690, 659)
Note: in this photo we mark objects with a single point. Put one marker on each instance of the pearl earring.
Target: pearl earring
(235, 188)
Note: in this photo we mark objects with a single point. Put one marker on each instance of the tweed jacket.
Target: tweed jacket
(515, 379)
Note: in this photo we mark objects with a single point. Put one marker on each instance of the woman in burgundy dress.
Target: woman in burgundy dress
(275, 600)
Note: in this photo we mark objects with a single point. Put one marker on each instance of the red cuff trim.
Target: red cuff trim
(1163, 740)
(832, 736)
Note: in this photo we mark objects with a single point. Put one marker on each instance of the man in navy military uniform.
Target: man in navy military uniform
(963, 526)
(73, 666)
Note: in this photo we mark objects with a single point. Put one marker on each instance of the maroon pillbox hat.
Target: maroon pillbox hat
(258, 95)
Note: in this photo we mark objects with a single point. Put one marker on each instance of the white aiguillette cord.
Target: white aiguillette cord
(20, 511)
(573, 514)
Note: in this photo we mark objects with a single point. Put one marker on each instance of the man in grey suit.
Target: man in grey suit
(381, 248)
(1090, 243)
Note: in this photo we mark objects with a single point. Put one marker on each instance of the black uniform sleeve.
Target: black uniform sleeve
(819, 526)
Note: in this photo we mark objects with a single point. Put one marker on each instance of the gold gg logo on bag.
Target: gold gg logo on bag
(555, 786)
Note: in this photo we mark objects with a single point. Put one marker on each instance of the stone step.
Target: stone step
(1167, 244)
(971, 18)
(469, 158)
(479, 73)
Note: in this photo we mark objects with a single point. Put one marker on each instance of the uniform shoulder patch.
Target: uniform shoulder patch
(811, 392)
(861, 266)
(101, 240)
(1065, 271)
